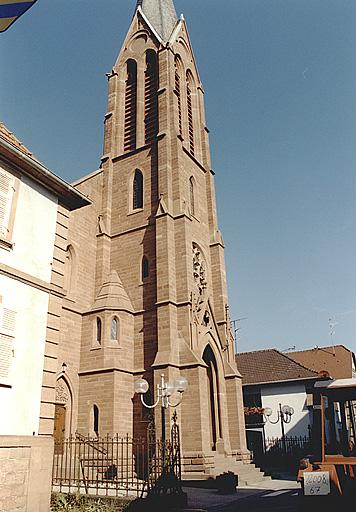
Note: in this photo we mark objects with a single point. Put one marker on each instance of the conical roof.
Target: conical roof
(112, 295)
(161, 14)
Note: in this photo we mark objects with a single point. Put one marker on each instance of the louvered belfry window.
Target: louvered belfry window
(7, 182)
(130, 106)
(151, 96)
(7, 338)
(177, 90)
(190, 114)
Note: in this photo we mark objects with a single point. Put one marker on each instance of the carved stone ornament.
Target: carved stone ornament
(199, 270)
(61, 392)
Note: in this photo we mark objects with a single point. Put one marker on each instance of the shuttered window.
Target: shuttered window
(130, 106)
(177, 90)
(7, 188)
(7, 338)
(151, 97)
(190, 113)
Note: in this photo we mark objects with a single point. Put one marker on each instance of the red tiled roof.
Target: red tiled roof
(263, 366)
(12, 139)
(337, 360)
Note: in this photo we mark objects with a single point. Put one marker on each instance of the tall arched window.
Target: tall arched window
(130, 106)
(137, 190)
(98, 330)
(114, 329)
(145, 268)
(190, 85)
(177, 90)
(96, 419)
(151, 96)
(191, 196)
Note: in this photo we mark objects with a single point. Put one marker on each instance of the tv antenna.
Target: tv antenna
(236, 329)
(332, 326)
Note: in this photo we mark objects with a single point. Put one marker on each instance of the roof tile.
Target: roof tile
(12, 139)
(270, 365)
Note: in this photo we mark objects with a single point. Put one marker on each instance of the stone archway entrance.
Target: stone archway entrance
(63, 411)
(213, 397)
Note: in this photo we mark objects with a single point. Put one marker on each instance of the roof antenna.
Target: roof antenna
(332, 326)
(236, 329)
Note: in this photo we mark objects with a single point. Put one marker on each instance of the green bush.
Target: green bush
(83, 503)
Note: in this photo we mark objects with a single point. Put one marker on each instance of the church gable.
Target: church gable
(182, 47)
(139, 37)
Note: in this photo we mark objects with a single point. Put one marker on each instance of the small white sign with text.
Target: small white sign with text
(317, 483)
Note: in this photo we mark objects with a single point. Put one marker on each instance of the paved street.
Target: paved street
(275, 501)
(274, 495)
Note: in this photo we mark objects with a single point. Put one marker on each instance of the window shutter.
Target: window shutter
(7, 336)
(6, 194)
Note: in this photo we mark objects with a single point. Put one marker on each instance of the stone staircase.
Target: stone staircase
(248, 473)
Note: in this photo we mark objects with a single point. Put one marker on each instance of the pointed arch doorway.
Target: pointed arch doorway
(213, 397)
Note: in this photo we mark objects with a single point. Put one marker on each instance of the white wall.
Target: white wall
(32, 252)
(20, 403)
(293, 395)
(34, 231)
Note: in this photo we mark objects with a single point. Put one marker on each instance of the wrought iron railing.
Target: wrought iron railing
(118, 466)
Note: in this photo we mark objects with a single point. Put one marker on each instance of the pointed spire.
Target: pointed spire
(161, 14)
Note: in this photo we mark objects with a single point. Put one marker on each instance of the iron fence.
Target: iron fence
(284, 451)
(118, 466)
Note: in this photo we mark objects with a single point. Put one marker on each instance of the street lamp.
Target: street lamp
(164, 391)
(284, 415)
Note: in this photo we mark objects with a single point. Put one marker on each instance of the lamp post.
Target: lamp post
(164, 391)
(284, 415)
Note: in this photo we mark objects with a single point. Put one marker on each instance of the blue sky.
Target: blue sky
(280, 82)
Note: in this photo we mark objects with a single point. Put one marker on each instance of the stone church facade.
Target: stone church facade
(145, 278)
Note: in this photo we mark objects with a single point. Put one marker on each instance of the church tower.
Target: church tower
(152, 287)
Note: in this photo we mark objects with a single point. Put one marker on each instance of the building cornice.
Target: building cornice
(67, 195)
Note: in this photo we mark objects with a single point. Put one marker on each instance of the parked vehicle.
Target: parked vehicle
(331, 469)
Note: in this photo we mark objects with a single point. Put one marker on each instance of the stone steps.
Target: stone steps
(247, 472)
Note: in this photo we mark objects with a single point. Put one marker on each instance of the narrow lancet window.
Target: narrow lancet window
(191, 196)
(114, 333)
(137, 195)
(145, 268)
(151, 96)
(98, 330)
(130, 106)
(96, 420)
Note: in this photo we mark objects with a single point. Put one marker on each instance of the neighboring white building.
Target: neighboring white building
(34, 205)
(272, 379)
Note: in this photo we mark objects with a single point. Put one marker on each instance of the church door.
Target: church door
(59, 426)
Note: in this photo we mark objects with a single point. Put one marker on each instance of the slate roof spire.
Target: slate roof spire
(161, 14)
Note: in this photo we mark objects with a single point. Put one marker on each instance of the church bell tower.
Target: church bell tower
(159, 252)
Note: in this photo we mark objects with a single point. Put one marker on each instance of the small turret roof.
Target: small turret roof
(161, 14)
